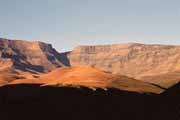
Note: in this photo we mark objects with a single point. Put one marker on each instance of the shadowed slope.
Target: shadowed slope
(130, 84)
(173, 91)
(32, 102)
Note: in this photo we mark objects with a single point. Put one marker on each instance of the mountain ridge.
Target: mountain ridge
(135, 60)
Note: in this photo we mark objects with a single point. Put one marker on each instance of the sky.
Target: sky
(68, 23)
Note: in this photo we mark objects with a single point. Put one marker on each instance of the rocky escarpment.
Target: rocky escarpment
(28, 56)
(134, 60)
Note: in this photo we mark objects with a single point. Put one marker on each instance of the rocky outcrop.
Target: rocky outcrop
(28, 56)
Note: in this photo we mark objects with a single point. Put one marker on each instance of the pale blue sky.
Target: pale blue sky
(68, 23)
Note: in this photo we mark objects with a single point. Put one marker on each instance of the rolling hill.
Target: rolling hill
(90, 77)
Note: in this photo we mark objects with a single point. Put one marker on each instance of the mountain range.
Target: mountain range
(130, 81)
(132, 66)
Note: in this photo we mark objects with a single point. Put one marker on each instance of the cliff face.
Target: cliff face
(133, 60)
(28, 56)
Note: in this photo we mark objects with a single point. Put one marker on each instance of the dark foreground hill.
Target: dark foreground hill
(32, 102)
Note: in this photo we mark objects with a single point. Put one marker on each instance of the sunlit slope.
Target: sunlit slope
(90, 77)
(7, 77)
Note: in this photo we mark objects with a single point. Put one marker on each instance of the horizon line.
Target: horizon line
(92, 44)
